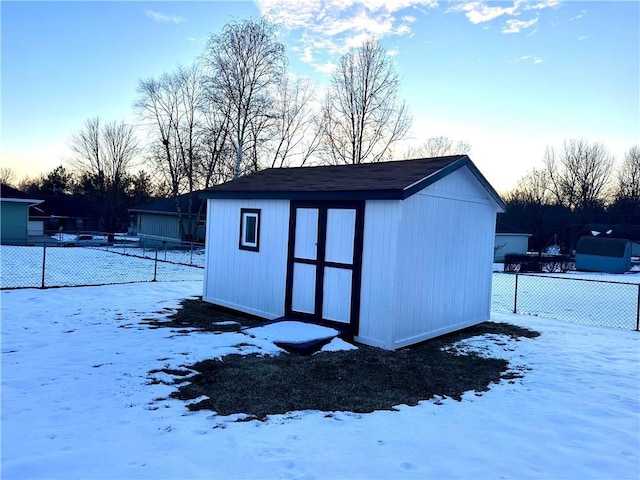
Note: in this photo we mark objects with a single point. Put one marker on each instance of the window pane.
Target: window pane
(250, 229)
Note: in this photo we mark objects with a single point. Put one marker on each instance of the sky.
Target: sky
(508, 78)
(80, 400)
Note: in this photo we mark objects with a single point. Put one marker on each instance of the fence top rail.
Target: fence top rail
(568, 278)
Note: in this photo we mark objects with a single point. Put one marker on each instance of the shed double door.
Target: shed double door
(325, 262)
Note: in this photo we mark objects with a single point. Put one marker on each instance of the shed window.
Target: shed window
(249, 229)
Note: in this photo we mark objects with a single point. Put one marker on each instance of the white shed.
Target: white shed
(509, 241)
(393, 253)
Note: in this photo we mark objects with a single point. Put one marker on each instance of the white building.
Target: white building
(394, 252)
(509, 242)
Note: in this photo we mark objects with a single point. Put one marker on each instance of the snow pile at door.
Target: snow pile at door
(299, 332)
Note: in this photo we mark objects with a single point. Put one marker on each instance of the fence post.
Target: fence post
(44, 260)
(191, 255)
(155, 266)
(515, 296)
(638, 313)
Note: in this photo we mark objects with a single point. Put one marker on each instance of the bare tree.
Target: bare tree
(218, 159)
(88, 157)
(533, 188)
(157, 104)
(245, 62)
(296, 136)
(579, 173)
(439, 147)
(7, 176)
(102, 156)
(172, 105)
(362, 115)
(628, 176)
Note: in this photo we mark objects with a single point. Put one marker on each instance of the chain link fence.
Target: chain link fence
(55, 266)
(180, 253)
(587, 301)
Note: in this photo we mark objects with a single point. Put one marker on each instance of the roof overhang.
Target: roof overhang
(22, 200)
(514, 234)
(373, 194)
(152, 212)
(325, 195)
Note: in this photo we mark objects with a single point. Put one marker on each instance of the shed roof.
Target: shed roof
(602, 246)
(395, 180)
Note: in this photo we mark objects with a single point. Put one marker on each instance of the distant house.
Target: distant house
(509, 240)
(159, 222)
(14, 215)
(66, 213)
(394, 252)
(602, 254)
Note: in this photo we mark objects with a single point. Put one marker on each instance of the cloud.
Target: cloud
(331, 27)
(480, 12)
(541, 5)
(578, 16)
(516, 26)
(527, 58)
(163, 18)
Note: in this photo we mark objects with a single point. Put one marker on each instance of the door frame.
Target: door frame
(320, 263)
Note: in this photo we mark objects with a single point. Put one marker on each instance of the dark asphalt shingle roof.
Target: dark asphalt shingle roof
(168, 206)
(64, 206)
(8, 192)
(385, 180)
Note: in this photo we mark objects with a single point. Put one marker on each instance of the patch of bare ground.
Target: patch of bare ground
(359, 381)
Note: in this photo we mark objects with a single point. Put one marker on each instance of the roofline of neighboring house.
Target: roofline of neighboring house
(372, 194)
(514, 234)
(21, 200)
(153, 212)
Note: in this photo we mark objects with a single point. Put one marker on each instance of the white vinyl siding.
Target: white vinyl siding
(446, 250)
(427, 262)
(510, 243)
(248, 281)
(379, 250)
(158, 226)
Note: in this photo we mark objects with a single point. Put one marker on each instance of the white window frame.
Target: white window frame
(245, 215)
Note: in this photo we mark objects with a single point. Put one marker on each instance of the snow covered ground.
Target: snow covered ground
(78, 402)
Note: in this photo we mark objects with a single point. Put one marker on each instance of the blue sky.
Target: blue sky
(509, 78)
